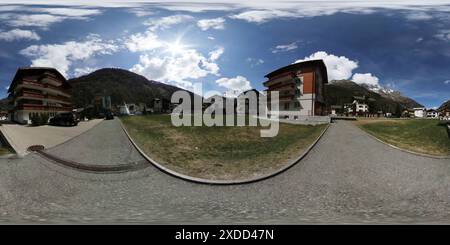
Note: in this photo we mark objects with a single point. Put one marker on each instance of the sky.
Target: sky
(228, 47)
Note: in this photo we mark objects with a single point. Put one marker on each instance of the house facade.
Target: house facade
(359, 105)
(38, 90)
(420, 112)
(300, 87)
(243, 102)
(432, 113)
(219, 103)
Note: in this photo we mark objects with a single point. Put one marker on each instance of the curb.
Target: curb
(8, 141)
(401, 149)
(95, 168)
(221, 182)
(10, 156)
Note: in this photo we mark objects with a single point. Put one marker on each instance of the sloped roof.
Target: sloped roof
(30, 71)
(300, 65)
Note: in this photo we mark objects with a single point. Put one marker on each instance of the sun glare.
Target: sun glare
(176, 47)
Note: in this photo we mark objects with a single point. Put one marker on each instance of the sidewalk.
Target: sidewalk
(20, 137)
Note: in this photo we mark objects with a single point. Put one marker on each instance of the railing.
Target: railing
(58, 98)
(30, 94)
(35, 95)
(287, 85)
(40, 85)
(43, 107)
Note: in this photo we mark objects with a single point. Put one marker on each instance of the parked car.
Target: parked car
(64, 119)
(109, 115)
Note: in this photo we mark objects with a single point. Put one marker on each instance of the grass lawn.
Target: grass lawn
(418, 135)
(220, 153)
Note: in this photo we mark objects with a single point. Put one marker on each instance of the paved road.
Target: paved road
(106, 144)
(348, 177)
(20, 137)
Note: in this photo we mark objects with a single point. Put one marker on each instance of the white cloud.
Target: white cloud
(61, 56)
(338, 67)
(366, 78)
(238, 83)
(177, 68)
(168, 21)
(418, 16)
(447, 81)
(37, 20)
(211, 38)
(215, 54)
(443, 35)
(255, 62)
(263, 11)
(44, 17)
(83, 71)
(216, 24)
(69, 12)
(285, 47)
(143, 42)
(18, 34)
(139, 12)
(261, 16)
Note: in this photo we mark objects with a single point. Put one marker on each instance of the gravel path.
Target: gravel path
(348, 177)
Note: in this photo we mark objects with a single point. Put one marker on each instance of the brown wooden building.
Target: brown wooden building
(300, 87)
(38, 90)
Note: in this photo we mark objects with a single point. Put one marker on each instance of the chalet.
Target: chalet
(243, 102)
(38, 90)
(219, 103)
(444, 114)
(420, 112)
(337, 110)
(360, 106)
(300, 87)
(432, 113)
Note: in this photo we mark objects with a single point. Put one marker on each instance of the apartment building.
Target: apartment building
(38, 90)
(300, 87)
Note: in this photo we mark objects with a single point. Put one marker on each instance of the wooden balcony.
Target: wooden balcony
(40, 86)
(37, 107)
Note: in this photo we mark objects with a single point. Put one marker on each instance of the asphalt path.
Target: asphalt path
(348, 177)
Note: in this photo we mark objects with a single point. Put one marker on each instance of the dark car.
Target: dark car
(109, 115)
(64, 119)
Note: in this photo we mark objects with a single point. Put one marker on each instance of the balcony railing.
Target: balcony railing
(30, 95)
(38, 96)
(43, 107)
(40, 85)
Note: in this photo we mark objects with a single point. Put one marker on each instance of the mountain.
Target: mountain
(342, 91)
(444, 106)
(393, 95)
(4, 104)
(121, 85)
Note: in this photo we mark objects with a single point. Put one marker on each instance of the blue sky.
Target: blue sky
(398, 45)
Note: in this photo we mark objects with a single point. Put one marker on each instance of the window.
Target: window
(286, 106)
(298, 79)
(297, 104)
(297, 92)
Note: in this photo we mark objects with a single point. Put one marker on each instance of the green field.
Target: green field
(418, 135)
(220, 153)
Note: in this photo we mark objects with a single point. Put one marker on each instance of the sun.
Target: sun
(176, 47)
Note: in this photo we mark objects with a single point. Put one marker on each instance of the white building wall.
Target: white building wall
(419, 113)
